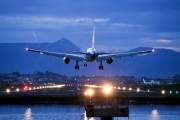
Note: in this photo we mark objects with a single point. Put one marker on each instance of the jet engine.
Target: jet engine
(109, 61)
(66, 60)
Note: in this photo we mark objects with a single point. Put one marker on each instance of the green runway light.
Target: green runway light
(170, 92)
(177, 92)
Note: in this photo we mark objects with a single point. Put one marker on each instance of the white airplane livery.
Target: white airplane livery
(91, 55)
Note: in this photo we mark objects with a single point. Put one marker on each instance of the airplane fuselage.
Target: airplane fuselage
(91, 55)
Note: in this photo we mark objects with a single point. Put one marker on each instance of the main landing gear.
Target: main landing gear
(101, 67)
(76, 66)
(85, 64)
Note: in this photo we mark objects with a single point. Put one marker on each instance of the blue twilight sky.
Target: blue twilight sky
(120, 24)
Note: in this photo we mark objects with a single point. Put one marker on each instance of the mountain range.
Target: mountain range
(14, 57)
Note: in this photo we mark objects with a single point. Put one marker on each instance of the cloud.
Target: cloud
(98, 20)
(172, 35)
(46, 21)
(163, 41)
(177, 49)
(126, 25)
(157, 40)
(90, 20)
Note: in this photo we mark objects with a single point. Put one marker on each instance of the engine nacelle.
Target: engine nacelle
(109, 61)
(66, 60)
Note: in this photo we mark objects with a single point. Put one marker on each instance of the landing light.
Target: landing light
(89, 92)
(27, 49)
(153, 50)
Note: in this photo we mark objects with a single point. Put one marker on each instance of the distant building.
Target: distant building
(23, 78)
(9, 80)
(44, 79)
(11, 76)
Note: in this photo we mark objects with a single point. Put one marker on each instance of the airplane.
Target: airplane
(149, 82)
(91, 55)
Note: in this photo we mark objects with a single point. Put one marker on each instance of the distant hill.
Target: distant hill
(13, 57)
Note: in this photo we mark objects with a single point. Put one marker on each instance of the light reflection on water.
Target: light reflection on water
(69, 112)
(154, 115)
(28, 114)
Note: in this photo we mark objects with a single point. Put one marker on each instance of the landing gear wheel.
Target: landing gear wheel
(76, 67)
(101, 67)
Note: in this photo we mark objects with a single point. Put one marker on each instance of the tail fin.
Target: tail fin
(93, 37)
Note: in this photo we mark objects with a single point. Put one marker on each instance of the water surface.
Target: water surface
(70, 112)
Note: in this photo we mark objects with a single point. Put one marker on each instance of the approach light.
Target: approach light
(130, 89)
(138, 89)
(17, 90)
(7, 90)
(85, 93)
(90, 92)
(163, 92)
(26, 87)
(30, 88)
(107, 89)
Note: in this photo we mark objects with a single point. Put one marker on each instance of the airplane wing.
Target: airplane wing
(60, 55)
(120, 55)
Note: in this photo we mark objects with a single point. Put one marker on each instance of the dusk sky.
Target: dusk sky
(119, 24)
